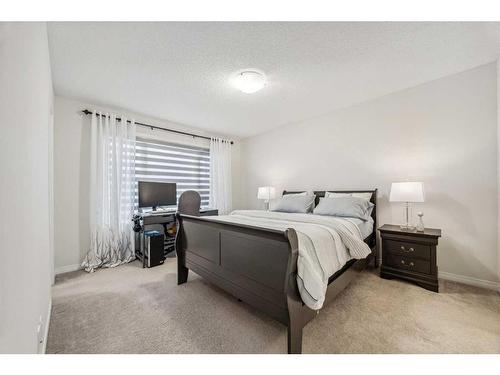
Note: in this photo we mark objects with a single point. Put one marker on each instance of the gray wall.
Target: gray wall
(443, 133)
(25, 198)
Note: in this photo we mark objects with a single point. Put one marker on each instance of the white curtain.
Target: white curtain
(220, 175)
(112, 189)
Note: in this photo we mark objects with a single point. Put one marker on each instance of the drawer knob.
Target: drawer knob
(410, 250)
(404, 263)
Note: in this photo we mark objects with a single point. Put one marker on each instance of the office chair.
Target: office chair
(189, 203)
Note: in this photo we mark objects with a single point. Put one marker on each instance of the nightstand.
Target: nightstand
(410, 255)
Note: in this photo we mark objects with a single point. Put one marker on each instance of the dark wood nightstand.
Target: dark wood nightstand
(410, 255)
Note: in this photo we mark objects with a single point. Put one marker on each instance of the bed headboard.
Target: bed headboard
(321, 194)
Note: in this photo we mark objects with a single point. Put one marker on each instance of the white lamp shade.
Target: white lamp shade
(407, 192)
(266, 192)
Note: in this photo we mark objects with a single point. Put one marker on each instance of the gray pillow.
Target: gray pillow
(366, 196)
(295, 203)
(345, 206)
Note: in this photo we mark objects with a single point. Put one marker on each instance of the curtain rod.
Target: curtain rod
(87, 112)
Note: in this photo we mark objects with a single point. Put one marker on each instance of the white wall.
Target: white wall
(498, 168)
(25, 118)
(443, 133)
(71, 174)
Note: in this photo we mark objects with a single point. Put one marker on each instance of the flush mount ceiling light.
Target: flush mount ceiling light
(249, 81)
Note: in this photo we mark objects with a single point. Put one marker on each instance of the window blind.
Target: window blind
(187, 166)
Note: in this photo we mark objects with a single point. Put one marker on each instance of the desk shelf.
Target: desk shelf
(169, 223)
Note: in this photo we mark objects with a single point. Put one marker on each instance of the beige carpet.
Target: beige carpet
(133, 310)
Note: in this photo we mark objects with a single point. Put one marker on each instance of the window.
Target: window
(188, 166)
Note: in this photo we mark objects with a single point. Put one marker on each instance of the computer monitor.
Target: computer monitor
(154, 194)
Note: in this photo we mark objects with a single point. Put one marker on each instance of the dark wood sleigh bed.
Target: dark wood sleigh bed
(259, 265)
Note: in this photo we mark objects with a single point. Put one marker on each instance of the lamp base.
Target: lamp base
(407, 227)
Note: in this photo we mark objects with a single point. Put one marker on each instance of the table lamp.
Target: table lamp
(407, 192)
(266, 193)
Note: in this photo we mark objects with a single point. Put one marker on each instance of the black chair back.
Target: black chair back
(189, 203)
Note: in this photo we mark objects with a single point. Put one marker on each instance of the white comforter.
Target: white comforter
(326, 244)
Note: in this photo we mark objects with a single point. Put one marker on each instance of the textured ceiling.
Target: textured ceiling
(180, 71)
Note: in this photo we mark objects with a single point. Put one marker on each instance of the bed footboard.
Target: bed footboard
(256, 265)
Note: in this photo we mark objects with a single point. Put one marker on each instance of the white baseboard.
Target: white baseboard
(68, 268)
(470, 281)
(46, 331)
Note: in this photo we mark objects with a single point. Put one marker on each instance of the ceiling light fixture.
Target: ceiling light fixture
(249, 81)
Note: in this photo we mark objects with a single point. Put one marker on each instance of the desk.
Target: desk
(167, 220)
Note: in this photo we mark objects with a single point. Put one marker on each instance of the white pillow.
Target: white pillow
(345, 206)
(366, 196)
(302, 194)
(299, 203)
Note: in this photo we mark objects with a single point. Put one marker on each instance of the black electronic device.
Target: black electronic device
(154, 194)
(153, 248)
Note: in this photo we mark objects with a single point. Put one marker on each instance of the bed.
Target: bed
(257, 263)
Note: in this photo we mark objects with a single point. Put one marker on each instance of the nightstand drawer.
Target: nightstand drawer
(408, 263)
(409, 249)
